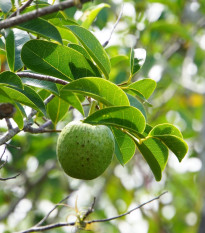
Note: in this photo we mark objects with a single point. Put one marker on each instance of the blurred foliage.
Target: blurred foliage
(173, 34)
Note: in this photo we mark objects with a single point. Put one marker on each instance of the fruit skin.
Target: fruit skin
(85, 151)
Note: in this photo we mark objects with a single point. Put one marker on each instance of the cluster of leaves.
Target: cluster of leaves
(66, 49)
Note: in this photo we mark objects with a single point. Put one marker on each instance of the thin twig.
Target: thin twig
(42, 77)
(20, 9)
(57, 225)
(115, 25)
(7, 23)
(3, 153)
(90, 210)
(44, 219)
(129, 212)
(9, 178)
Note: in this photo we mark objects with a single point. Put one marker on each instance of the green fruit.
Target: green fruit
(85, 151)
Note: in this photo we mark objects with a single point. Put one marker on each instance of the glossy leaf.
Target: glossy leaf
(72, 99)
(56, 60)
(172, 138)
(145, 86)
(155, 153)
(57, 108)
(10, 79)
(137, 104)
(65, 33)
(124, 146)
(137, 59)
(90, 14)
(41, 84)
(43, 28)
(125, 117)
(27, 97)
(99, 89)
(93, 47)
(15, 39)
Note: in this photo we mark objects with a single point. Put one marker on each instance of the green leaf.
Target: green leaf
(43, 28)
(10, 48)
(10, 79)
(5, 5)
(99, 89)
(27, 97)
(18, 115)
(137, 104)
(137, 94)
(56, 60)
(124, 146)
(144, 86)
(80, 49)
(15, 39)
(72, 99)
(93, 47)
(41, 84)
(65, 33)
(57, 108)
(90, 14)
(137, 59)
(117, 59)
(155, 153)
(172, 138)
(125, 117)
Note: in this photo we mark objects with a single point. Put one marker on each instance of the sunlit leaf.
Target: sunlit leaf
(126, 117)
(99, 89)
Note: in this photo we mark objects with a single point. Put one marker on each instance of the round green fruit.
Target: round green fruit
(85, 151)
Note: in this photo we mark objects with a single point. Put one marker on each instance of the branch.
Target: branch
(12, 132)
(57, 225)
(129, 212)
(7, 23)
(9, 178)
(42, 77)
(20, 9)
(44, 219)
(115, 25)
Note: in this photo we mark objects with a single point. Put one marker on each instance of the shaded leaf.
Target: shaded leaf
(93, 47)
(10, 79)
(124, 146)
(43, 28)
(41, 84)
(56, 60)
(15, 39)
(126, 117)
(155, 153)
(137, 104)
(27, 97)
(72, 99)
(57, 108)
(99, 89)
